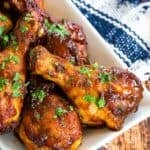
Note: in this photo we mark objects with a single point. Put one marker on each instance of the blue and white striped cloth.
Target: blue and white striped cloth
(125, 25)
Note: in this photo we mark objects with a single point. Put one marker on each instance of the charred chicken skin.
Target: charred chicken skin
(13, 70)
(72, 47)
(101, 95)
(49, 122)
(64, 39)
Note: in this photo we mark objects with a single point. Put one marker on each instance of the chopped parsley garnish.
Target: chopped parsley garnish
(14, 58)
(71, 108)
(2, 29)
(11, 58)
(16, 77)
(24, 29)
(3, 82)
(95, 65)
(37, 115)
(39, 94)
(5, 40)
(90, 98)
(72, 60)
(105, 77)
(56, 28)
(101, 103)
(89, 82)
(3, 18)
(16, 86)
(85, 70)
(28, 17)
(59, 111)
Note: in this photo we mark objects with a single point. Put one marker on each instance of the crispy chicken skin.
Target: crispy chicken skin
(13, 70)
(100, 95)
(73, 47)
(5, 24)
(43, 126)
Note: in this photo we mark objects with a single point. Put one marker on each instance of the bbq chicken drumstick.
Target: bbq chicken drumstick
(49, 122)
(101, 95)
(13, 70)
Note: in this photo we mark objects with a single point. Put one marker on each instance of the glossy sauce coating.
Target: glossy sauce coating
(13, 70)
(73, 47)
(41, 128)
(97, 101)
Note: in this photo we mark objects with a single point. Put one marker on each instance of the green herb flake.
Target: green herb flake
(3, 82)
(89, 98)
(37, 115)
(3, 18)
(2, 29)
(56, 28)
(2, 65)
(85, 70)
(16, 77)
(59, 111)
(16, 86)
(95, 65)
(71, 108)
(101, 67)
(24, 29)
(39, 94)
(89, 82)
(72, 60)
(14, 58)
(101, 103)
(16, 89)
(11, 58)
(28, 17)
(105, 77)
(5, 40)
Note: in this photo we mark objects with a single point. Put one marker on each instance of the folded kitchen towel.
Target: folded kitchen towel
(125, 25)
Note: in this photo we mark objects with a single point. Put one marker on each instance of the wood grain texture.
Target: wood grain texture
(137, 138)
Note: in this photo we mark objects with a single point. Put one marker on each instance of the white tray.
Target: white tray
(98, 51)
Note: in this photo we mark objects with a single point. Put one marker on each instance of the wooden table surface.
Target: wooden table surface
(137, 138)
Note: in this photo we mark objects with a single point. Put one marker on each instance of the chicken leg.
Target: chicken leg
(13, 70)
(48, 121)
(101, 95)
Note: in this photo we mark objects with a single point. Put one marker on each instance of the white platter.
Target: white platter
(98, 51)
